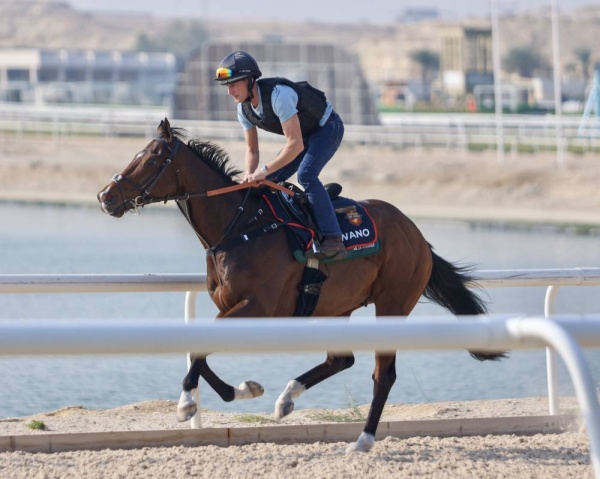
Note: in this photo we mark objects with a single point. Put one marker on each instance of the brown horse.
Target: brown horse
(260, 278)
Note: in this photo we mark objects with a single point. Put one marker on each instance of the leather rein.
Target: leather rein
(145, 190)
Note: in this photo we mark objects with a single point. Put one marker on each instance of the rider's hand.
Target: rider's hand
(256, 176)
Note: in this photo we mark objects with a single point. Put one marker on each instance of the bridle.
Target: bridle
(144, 197)
(145, 190)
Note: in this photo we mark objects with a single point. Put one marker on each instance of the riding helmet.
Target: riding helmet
(240, 65)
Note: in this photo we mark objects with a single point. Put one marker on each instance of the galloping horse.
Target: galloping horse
(260, 278)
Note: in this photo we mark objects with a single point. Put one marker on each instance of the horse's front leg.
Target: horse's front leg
(187, 407)
(332, 365)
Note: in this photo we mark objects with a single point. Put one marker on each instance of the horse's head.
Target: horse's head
(148, 177)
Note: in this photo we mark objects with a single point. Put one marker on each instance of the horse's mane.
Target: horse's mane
(211, 154)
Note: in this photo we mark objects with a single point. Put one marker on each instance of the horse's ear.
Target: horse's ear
(164, 130)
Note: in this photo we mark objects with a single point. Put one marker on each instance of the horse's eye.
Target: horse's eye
(151, 162)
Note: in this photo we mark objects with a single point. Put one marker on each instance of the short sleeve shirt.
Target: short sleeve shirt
(283, 99)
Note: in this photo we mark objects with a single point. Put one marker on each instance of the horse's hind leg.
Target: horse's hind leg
(187, 407)
(384, 377)
(334, 364)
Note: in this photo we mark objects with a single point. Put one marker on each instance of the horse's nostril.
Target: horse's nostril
(107, 198)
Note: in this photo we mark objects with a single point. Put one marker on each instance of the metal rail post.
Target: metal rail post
(190, 317)
(551, 357)
(566, 345)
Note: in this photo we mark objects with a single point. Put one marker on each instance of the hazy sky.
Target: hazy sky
(343, 11)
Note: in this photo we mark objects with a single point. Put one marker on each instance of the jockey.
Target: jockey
(313, 132)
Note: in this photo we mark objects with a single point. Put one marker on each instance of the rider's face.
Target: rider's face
(238, 90)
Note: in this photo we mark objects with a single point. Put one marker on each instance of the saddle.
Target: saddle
(359, 232)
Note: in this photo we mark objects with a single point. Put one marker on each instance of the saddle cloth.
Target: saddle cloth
(359, 231)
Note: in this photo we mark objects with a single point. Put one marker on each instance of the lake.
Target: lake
(37, 239)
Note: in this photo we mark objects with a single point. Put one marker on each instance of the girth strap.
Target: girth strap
(309, 288)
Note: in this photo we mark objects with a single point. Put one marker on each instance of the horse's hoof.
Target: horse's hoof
(249, 390)
(283, 409)
(364, 443)
(186, 407)
(185, 413)
(255, 389)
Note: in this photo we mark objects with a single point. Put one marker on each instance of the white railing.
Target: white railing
(553, 279)
(560, 335)
(564, 334)
(397, 129)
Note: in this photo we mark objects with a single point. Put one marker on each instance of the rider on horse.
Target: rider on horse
(313, 132)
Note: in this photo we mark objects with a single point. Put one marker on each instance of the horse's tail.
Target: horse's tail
(447, 287)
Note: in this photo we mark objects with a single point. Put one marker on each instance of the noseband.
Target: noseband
(145, 189)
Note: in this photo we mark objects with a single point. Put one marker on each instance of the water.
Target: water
(49, 239)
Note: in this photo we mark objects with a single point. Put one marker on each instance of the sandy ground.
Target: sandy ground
(423, 183)
(161, 414)
(511, 456)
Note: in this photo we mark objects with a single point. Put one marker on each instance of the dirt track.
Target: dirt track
(539, 456)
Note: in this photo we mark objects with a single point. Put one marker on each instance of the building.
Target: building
(326, 67)
(465, 59)
(87, 76)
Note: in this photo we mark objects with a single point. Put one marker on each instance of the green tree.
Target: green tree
(525, 61)
(428, 61)
(181, 37)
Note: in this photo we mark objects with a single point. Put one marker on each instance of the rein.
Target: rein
(145, 191)
(143, 199)
(220, 191)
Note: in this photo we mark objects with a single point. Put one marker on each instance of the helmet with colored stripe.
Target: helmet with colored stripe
(237, 66)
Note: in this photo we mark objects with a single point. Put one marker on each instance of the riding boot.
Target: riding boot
(332, 247)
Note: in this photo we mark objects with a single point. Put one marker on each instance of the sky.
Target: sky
(334, 11)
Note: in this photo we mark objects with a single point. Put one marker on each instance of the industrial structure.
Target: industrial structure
(325, 66)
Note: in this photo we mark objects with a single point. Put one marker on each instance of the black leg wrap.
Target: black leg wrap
(310, 291)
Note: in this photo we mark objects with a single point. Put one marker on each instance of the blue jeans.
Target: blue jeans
(319, 147)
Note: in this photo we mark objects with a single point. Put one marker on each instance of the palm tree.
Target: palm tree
(524, 61)
(429, 62)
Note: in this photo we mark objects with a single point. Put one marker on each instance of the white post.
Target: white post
(497, 82)
(566, 345)
(190, 317)
(551, 357)
(560, 151)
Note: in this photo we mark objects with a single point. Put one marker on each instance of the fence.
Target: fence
(488, 333)
(475, 131)
(194, 283)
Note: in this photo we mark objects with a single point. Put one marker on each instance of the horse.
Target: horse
(259, 278)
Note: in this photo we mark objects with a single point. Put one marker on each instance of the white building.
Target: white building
(86, 76)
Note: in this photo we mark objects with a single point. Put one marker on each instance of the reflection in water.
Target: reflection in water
(44, 239)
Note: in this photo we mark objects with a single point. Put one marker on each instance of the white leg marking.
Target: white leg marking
(284, 404)
(187, 407)
(186, 398)
(364, 443)
(248, 390)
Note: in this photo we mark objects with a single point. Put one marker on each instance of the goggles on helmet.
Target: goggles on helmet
(224, 73)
